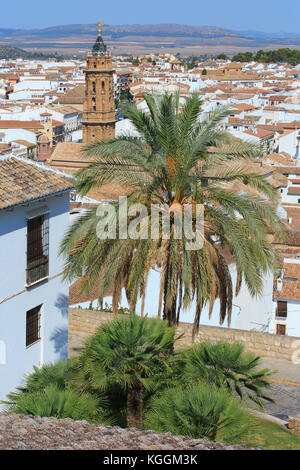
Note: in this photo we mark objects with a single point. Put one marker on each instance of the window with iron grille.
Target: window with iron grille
(280, 329)
(37, 249)
(281, 310)
(33, 317)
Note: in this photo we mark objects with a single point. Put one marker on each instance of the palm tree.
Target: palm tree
(126, 352)
(180, 159)
(226, 366)
(199, 411)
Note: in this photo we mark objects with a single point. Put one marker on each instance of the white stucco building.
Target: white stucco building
(34, 214)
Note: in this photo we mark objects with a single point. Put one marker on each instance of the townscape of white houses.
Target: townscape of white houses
(42, 106)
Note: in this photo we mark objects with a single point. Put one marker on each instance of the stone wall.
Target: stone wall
(294, 425)
(83, 323)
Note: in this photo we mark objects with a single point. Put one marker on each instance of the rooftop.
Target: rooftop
(23, 181)
(19, 432)
(291, 282)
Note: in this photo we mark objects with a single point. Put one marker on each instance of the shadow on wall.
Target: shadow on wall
(60, 339)
(62, 304)
(60, 334)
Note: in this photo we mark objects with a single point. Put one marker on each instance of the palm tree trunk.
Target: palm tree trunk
(170, 313)
(135, 407)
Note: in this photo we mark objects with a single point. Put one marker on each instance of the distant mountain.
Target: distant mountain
(80, 30)
(262, 35)
(143, 38)
(8, 52)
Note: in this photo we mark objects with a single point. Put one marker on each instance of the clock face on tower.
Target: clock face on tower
(99, 110)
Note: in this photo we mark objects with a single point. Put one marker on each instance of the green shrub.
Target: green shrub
(227, 365)
(60, 374)
(200, 411)
(124, 355)
(67, 403)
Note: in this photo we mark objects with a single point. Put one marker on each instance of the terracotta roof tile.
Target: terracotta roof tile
(294, 191)
(291, 283)
(22, 181)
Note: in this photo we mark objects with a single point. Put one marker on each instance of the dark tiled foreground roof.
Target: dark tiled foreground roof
(21, 181)
(28, 432)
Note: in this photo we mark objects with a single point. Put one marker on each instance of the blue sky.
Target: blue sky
(263, 15)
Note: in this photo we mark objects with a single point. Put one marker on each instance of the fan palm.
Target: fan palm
(180, 159)
(126, 352)
(66, 403)
(198, 411)
(59, 374)
(227, 365)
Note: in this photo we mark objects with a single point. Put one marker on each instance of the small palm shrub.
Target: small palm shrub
(227, 365)
(124, 354)
(67, 403)
(199, 411)
(60, 374)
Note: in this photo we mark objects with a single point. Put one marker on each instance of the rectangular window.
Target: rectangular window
(281, 310)
(280, 329)
(37, 249)
(33, 325)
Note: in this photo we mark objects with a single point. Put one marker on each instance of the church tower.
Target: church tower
(99, 108)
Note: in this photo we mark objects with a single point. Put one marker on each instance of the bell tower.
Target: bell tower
(99, 119)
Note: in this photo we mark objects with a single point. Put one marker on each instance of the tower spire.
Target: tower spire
(99, 109)
(99, 46)
(99, 27)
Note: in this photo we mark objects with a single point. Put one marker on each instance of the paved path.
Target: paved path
(286, 370)
(287, 396)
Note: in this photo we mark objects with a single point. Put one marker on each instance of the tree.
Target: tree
(67, 403)
(243, 57)
(178, 161)
(53, 390)
(126, 352)
(284, 55)
(59, 374)
(191, 63)
(134, 60)
(227, 365)
(198, 411)
(221, 57)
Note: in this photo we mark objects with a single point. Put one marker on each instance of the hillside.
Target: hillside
(7, 52)
(145, 38)
(10, 52)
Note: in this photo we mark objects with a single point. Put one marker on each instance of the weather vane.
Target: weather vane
(100, 26)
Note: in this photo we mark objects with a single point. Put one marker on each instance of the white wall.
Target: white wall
(18, 134)
(293, 318)
(52, 294)
(288, 143)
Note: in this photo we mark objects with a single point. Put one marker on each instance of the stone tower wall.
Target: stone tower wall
(99, 108)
